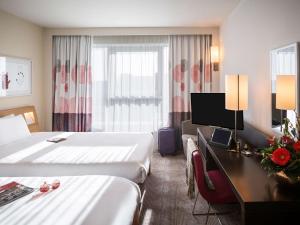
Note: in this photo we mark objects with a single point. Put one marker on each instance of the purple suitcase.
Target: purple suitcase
(166, 141)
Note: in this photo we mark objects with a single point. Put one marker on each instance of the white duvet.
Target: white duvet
(102, 200)
(125, 155)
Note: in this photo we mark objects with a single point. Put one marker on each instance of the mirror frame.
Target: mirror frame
(297, 47)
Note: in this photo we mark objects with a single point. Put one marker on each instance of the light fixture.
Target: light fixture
(236, 96)
(29, 118)
(214, 56)
(285, 93)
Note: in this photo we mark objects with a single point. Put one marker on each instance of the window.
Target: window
(130, 85)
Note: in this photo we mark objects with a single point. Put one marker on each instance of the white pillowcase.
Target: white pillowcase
(12, 129)
(7, 116)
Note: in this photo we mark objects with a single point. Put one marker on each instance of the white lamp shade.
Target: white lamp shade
(236, 92)
(286, 92)
(214, 54)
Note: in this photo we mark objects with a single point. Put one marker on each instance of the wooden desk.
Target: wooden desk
(262, 201)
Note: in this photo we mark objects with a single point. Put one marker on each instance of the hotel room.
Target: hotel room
(149, 112)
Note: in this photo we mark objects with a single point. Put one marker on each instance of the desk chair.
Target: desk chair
(222, 193)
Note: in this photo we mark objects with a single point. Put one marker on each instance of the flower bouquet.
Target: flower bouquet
(282, 157)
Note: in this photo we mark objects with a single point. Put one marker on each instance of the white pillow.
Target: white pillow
(12, 129)
(7, 116)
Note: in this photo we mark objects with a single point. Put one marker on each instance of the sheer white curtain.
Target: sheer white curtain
(130, 83)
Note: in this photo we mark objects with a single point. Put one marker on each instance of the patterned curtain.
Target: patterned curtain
(190, 72)
(72, 86)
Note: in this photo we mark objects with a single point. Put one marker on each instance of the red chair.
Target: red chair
(221, 194)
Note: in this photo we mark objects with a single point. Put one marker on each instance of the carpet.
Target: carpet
(166, 201)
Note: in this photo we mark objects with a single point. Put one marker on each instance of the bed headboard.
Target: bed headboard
(28, 112)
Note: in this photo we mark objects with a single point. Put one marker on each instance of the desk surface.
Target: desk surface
(249, 180)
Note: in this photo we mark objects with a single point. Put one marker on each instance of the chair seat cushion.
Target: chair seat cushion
(223, 190)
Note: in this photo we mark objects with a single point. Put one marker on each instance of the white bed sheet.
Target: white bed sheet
(125, 155)
(103, 200)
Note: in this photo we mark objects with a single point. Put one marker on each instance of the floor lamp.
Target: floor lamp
(236, 97)
(285, 94)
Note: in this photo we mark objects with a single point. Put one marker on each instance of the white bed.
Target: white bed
(102, 200)
(125, 155)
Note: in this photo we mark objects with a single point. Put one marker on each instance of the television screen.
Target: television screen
(209, 109)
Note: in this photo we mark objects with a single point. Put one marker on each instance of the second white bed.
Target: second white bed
(88, 200)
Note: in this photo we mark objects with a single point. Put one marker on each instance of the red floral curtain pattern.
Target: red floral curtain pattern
(190, 68)
(72, 83)
(190, 71)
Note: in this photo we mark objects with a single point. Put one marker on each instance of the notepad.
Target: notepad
(13, 191)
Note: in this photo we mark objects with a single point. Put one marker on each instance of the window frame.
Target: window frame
(159, 48)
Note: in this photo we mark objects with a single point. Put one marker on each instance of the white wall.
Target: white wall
(112, 31)
(23, 39)
(246, 38)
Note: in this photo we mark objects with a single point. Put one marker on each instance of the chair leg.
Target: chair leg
(193, 212)
(202, 214)
(219, 220)
(207, 214)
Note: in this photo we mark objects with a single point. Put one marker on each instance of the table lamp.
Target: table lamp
(285, 94)
(236, 96)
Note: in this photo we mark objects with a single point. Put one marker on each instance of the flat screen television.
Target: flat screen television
(209, 109)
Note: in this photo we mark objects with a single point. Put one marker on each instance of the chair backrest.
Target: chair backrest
(188, 128)
(199, 173)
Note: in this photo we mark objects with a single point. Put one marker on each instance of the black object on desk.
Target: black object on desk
(261, 199)
(221, 137)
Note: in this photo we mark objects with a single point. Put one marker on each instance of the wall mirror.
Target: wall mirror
(284, 61)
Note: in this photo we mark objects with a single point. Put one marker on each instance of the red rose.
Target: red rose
(281, 156)
(286, 140)
(296, 146)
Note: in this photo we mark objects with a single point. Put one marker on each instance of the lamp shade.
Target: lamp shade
(214, 54)
(236, 92)
(286, 92)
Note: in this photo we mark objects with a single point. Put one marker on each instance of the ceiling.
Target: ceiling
(121, 13)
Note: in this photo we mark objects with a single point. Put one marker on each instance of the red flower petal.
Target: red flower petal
(281, 156)
(286, 140)
(296, 146)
